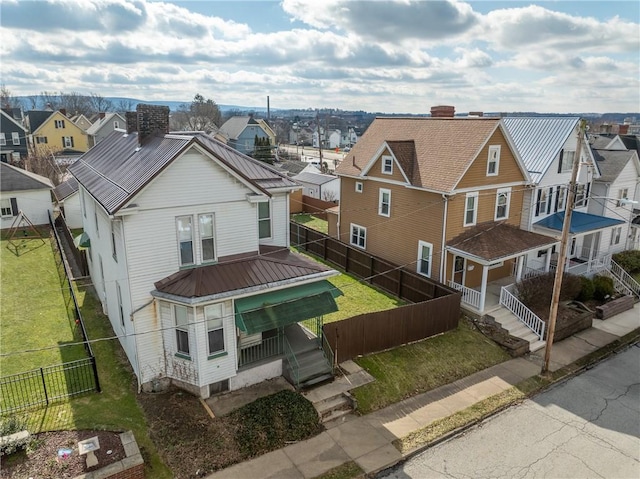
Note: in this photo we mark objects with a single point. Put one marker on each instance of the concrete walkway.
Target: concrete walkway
(367, 440)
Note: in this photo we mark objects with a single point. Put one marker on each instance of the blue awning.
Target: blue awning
(580, 222)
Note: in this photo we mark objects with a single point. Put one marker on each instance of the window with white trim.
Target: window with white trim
(15, 138)
(114, 249)
(59, 123)
(207, 237)
(387, 164)
(185, 240)
(215, 328)
(623, 195)
(543, 202)
(264, 220)
(566, 161)
(581, 196)
(358, 236)
(561, 198)
(503, 198)
(120, 308)
(616, 233)
(41, 139)
(116, 124)
(181, 318)
(471, 209)
(425, 252)
(493, 162)
(3, 139)
(384, 202)
(67, 141)
(359, 186)
(5, 207)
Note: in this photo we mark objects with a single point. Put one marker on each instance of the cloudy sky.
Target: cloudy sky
(385, 56)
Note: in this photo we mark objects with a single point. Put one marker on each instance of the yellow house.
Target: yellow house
(58, 133)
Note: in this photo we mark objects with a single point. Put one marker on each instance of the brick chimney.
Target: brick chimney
(152, 120)
(132, 121)
(476, 114)
(63, 111)
(442, 111)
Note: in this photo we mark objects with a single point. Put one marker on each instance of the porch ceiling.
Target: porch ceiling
(490, 242)
(580, 222)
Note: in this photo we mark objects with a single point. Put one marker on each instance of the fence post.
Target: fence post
(44, 386)
(346, 260)
(371, 263)
(95, 373)
(306, 239)
(400, 284)
(324, 244)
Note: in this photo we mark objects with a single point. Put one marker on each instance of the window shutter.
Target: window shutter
(549, 196)
(71, 141)
(14, 206)
(555, 208)
(560, 162)
(586, 193)
(538, 202)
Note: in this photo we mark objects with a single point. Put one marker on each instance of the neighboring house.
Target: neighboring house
(58, 133)
(268, 130)
(241, 132)
(442, 196)
(189, 254)
(13, 139)
(26, 192)
(82, 121)
(318, 185)
(103, 126)
(547, 146)
(68, 199)
(349, 138)
(333, 139)
(291, 167)
(615, 193)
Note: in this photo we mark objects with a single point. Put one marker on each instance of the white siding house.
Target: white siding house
(68, 199)
(22, 190)
(184, 231)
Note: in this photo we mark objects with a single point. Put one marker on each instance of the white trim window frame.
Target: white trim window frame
(493, 160)
(59, 124)
(120, 308)
(184, 231)
(181, 322)
(214, 317)
(384, 202)
(358, 236)
(207, 229)
(425, 258)
(503, 201)
(561, 198)
(3, 139)
(359, 186)
(616, 234)
(116, 124)
(543, 201)
(580, 196)
(387, 165)
(15, 138)
(566, 162)
(67, 141)
(264, 220)
(471, 209)
(623, 194)
(5, 208)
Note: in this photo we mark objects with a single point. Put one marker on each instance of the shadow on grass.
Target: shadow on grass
(20, 247)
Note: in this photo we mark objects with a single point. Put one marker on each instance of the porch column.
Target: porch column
(547, 260)
(519, 266)
(483, 287)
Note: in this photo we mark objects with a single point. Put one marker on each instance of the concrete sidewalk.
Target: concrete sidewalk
(367, 440)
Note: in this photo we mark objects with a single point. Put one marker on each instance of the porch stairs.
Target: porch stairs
(516, 328)
(306, 363)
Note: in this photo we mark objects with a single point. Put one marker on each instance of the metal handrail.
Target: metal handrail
(628, 280)
(293, 362)
(329, 354)
(524, 314)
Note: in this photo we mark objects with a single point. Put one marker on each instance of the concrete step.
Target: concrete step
(335, 415)
(536, 346)
(339, 405)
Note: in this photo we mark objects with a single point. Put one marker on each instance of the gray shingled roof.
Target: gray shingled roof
(17, 179)
(314, 178)
(100, 122)
(539, 140)
(66, 189)
(235, 125)
(611, 163)
(117, 168)
(36, 118)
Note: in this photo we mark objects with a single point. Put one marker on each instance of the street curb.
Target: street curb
(624, 342)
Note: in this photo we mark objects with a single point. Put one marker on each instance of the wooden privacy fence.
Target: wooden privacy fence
(388, 276)
(79, 255)
(316, 207)
(373, 332)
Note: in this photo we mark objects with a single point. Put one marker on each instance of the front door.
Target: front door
(458, 270)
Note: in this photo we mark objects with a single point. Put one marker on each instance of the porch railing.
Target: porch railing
(328, 352)
(618, 284)
(588, 268)
(269, 347)
(628, 280)
(524, 314)
(469, 296)
(292, 361)
(531, 272)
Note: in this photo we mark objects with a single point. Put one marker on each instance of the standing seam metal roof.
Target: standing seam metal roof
(539, 140)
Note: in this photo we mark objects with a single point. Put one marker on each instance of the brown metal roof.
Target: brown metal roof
(443, 147)
(264, 269)
(117, 168)
(66, 189)
(493, 241)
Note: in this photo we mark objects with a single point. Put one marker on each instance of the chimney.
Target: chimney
(623, 129)
(63, 111)
(476, 114)
(132, 121)
(442, 111)
(101, 115)
(152, 120)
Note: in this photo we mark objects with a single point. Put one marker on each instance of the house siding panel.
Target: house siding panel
(415, 215)
(279, 221)
(34, 204)
(376, 169)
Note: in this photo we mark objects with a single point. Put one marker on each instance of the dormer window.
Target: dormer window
(387, 165)
(493, 162)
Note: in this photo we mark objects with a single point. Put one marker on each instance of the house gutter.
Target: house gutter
(443, 254)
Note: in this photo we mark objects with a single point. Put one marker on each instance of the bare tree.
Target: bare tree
(200, 115)
(7, 100)
(124, 105)
(42, 162)
(49, 99)
(98, 103)
(75, 103)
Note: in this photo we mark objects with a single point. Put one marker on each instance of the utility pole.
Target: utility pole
(319, 139)
(562, 257)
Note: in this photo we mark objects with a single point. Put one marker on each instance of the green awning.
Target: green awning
(82, 240)
(266, 311)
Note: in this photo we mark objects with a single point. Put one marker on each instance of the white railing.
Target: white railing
(618, 284)
(469, 296)
(628, 280)
(531, 272)
(524, 314)
(591, 267)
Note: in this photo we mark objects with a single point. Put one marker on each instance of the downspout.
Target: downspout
(443, 255)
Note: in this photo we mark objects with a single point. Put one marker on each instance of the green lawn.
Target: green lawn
(420, 367)
(311, 222)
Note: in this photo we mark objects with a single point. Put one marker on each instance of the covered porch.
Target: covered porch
(488, 257)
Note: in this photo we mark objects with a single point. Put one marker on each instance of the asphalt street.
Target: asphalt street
(588, 426)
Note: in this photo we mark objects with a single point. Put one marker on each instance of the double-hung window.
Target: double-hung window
(471, 209)
(561, 198)
(59, 123)
(425, 251)
(358, 236)
(503, 197)
(493, 162)
(616, 233)
(581, 196)
(207, 238)
(41, 139)
(15, 138)
(6, 208)
(264, 220)
(181, 317)
(384, 202)
(359, 186)
(120, 308)
(3, 139)
(566, 161)
(387, 164)
(623, 196)
(543, 202)
(185, 240)
(215, 328)
(67, 141)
